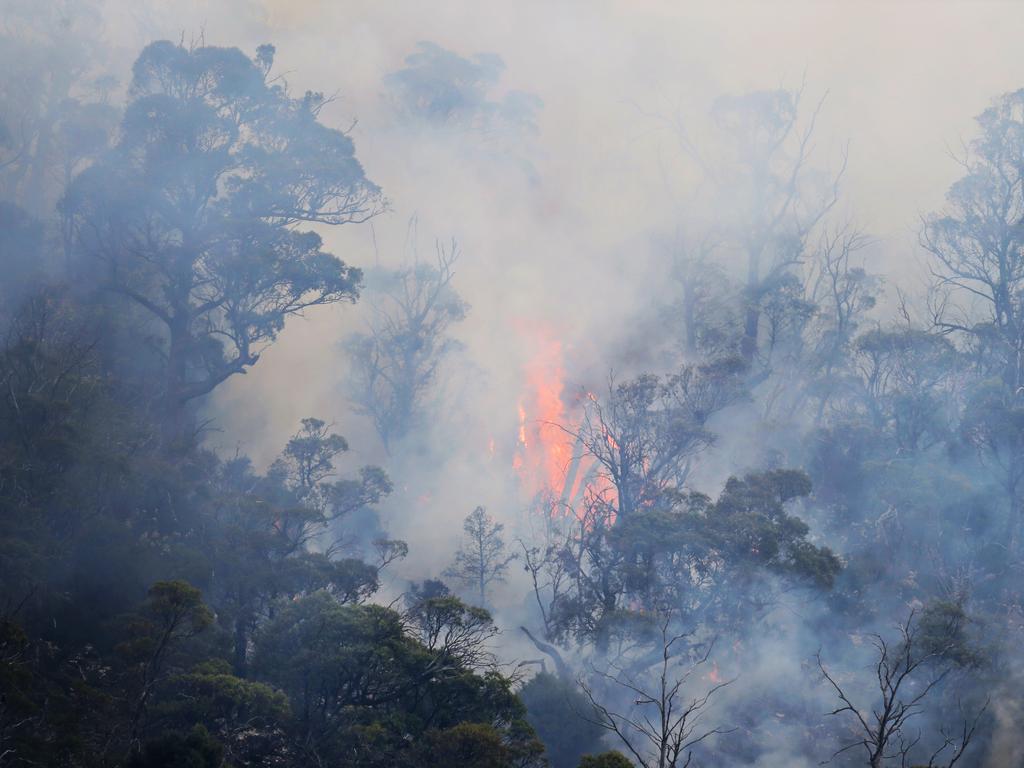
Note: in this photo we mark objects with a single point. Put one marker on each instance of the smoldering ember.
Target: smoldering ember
(452, 384)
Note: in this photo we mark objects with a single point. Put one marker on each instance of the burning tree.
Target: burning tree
(599, 581)
(644, 437)
(621, 450)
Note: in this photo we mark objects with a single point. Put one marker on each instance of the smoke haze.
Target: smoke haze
(586, 161)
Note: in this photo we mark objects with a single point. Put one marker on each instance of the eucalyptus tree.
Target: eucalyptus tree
(195, 216)
(977, 245)
(977, 249)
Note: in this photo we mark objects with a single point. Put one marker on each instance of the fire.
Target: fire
(544, 449)
(549, 459)
(714, 676)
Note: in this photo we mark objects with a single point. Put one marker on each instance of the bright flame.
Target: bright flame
(544, 450)
(549, 459)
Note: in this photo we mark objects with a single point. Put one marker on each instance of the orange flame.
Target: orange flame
(548, 459)
(544, 448)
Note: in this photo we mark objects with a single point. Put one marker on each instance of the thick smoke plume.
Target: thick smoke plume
(685, 349)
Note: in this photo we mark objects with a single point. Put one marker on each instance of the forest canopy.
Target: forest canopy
(302, 465)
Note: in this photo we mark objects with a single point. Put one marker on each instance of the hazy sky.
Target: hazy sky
(569, 245)
(904, 78)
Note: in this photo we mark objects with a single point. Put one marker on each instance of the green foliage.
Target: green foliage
(174, 612)
(176, 604)
(750, 523)
(613, 759)
(557, 710)
(703, 557)
(944, 630)
(328, 656)
(192, 215)
(474, 745)
(445, 624)
(163, 606)
(347, 667)
(197, 749)
(210, 693)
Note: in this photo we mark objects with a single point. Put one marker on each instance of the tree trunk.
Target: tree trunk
(174, 414)
(752, 318)
(241, 647)
(689, 317)
(560, 666)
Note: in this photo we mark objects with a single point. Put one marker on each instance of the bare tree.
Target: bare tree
(481, 560)
(395, 362)
(840, 287)
(885, 735)
(666, 738)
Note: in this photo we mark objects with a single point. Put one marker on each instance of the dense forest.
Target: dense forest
(758, 502)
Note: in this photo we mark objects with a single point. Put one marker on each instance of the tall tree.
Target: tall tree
(481, 560)
(977, 249)
(55, 115)
(193, 216)
(977, 244)
(645, 435)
